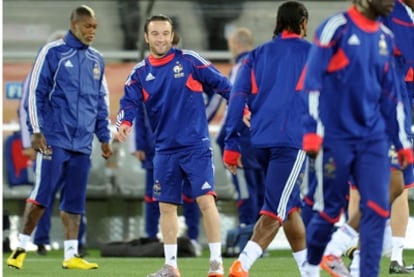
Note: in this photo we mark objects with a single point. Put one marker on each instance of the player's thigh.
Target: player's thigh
(168, 178)
(198, 168)
(75, 180)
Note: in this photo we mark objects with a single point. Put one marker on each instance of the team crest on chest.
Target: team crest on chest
(330, 169)
(178, 70)
(96, 72)
(382, 45)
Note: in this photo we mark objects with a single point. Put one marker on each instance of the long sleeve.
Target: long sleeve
(102, 120)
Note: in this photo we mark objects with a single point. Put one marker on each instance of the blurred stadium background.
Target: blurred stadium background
(115, 192)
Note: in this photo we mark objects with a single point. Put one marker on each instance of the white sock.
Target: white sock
(300, 258)
(251, 252)
(23, 241)
(397, 249)
(341, 240)
(354, 267)
(387, 243)
(170, 253)
(70, 248)
(215, 251)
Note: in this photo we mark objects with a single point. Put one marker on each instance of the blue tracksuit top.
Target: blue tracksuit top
(351, 65)
(144, 138)
(267, 82)
(171, 89)
(68, 98)
(401, 23)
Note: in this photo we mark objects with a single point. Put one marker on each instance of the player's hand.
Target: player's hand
(106, 150)
(232, 160)
(405, 157)
(124, 131)
(312, 144)
(30, 153)
(39, 144)
(140, 155)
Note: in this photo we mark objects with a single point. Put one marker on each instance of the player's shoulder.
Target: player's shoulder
(138, 68)
(387, 31)
(336, 20)
(55, 45)
(193, 55)
(96, 52)
(139, 65)
(331, 26)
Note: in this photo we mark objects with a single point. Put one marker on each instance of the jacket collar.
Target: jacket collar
(74, 42)
(163, 60)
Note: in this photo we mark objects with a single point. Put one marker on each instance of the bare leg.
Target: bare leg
(71, 224)
(169, 223)
(211, 218)
(353, 209)
(396, 184)
(399, 222)
(295, 232)
(399, 215)
(265, 231)
(31, 216)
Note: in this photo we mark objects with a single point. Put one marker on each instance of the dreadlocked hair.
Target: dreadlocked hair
(289, 17)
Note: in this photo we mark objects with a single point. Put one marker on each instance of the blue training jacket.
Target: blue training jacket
(267, 81)
(68, 97)
(171, 89)
(144, 139)
(351, 78)
(401, 23)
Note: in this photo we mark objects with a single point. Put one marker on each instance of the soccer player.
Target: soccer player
(355, 108)
(268, 83)
(400, 22)
(41, 233)
(67, 105)
(143, 149)
(169, 82)
(250, 183)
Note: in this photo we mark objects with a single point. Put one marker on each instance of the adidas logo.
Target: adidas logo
(149, 77)
(206, 186)
(68, 63)
(354, 40)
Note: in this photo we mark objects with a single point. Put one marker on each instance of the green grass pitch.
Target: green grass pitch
(279, 263)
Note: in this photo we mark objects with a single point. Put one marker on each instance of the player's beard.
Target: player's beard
(160, 50)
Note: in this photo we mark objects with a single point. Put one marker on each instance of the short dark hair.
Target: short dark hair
(289, 17)
(158, 17)
(82, 11)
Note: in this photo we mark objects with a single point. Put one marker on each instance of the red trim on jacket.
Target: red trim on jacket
(364, 23)
(301, 81)
(160, 61)
(193, 84)
(145, 94)
(379, 210)
(287, 34)
(409, 77)
(338, 61)
(255, 88)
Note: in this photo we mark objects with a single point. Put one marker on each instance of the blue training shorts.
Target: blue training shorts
(64, 168)
(285, 173)
(407, 172)
(170, 170)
